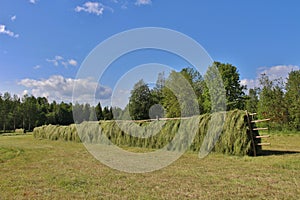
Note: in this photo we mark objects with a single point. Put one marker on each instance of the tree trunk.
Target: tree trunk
(14, 122)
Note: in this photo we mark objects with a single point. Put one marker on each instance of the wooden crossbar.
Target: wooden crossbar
(263, 144)
(260, 129)
(262, 136)
(252, 114)
(260, 120)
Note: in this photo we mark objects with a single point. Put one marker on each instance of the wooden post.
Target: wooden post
(251, 134)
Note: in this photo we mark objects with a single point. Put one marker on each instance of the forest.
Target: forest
(276, 99)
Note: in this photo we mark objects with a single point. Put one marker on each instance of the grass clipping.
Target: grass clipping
(231, 137)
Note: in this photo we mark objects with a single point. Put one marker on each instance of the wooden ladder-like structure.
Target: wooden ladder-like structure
(251, 122)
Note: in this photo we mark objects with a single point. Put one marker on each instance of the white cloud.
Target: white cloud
(251, 83)
(5, 31)
(55, 61)
(65, 64)
(278, 71)
(143, 2)
(72, 62)
(25, 92)
(91, 7)
(97, 8)
(59, 60)
(124, 6)
(60, 88)
(123, 3)
(33, 1)
(37, 67)
(275, 72)
(13, 18)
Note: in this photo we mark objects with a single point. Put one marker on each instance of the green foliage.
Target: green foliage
(30, 112)
(140, 101)
(156, 93)
(107, 113)
(196, 80)
(235, 95)
(252, 100)
(99, 113)
(272, 103)
(214, 93)
(293, 99)
(157, 97)
(64, 114)
(170, 103)
(181, 93)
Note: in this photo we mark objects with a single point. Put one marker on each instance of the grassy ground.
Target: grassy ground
(42, 169)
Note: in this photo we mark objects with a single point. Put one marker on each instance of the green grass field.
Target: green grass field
(43, 169)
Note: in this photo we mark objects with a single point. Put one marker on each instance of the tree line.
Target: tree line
(29, 112)
(142, 97)
(275, 99)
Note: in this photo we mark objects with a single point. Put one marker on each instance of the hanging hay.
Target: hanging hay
(20, 131)
(233, 138)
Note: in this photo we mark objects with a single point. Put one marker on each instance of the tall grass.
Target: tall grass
(235, 137)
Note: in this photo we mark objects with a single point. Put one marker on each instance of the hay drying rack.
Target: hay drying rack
(251, 121)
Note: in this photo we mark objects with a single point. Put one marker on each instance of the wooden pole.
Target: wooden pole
(260, 129)
(262, 136)
(263, 144)
(251, 134)
(260, 120)
(251, 114)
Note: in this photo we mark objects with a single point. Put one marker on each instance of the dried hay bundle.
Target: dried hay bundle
(229, 133)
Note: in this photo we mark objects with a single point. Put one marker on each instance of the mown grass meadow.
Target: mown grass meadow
(42, 169)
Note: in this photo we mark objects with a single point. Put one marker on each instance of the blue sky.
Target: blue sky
(44, 42)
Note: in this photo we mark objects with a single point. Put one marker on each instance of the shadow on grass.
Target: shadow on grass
(277, 152)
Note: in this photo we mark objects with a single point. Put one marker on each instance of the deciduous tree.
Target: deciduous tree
(140, 101)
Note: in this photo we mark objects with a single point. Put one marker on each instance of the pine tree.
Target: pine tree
(99, 113)
(293, 99)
